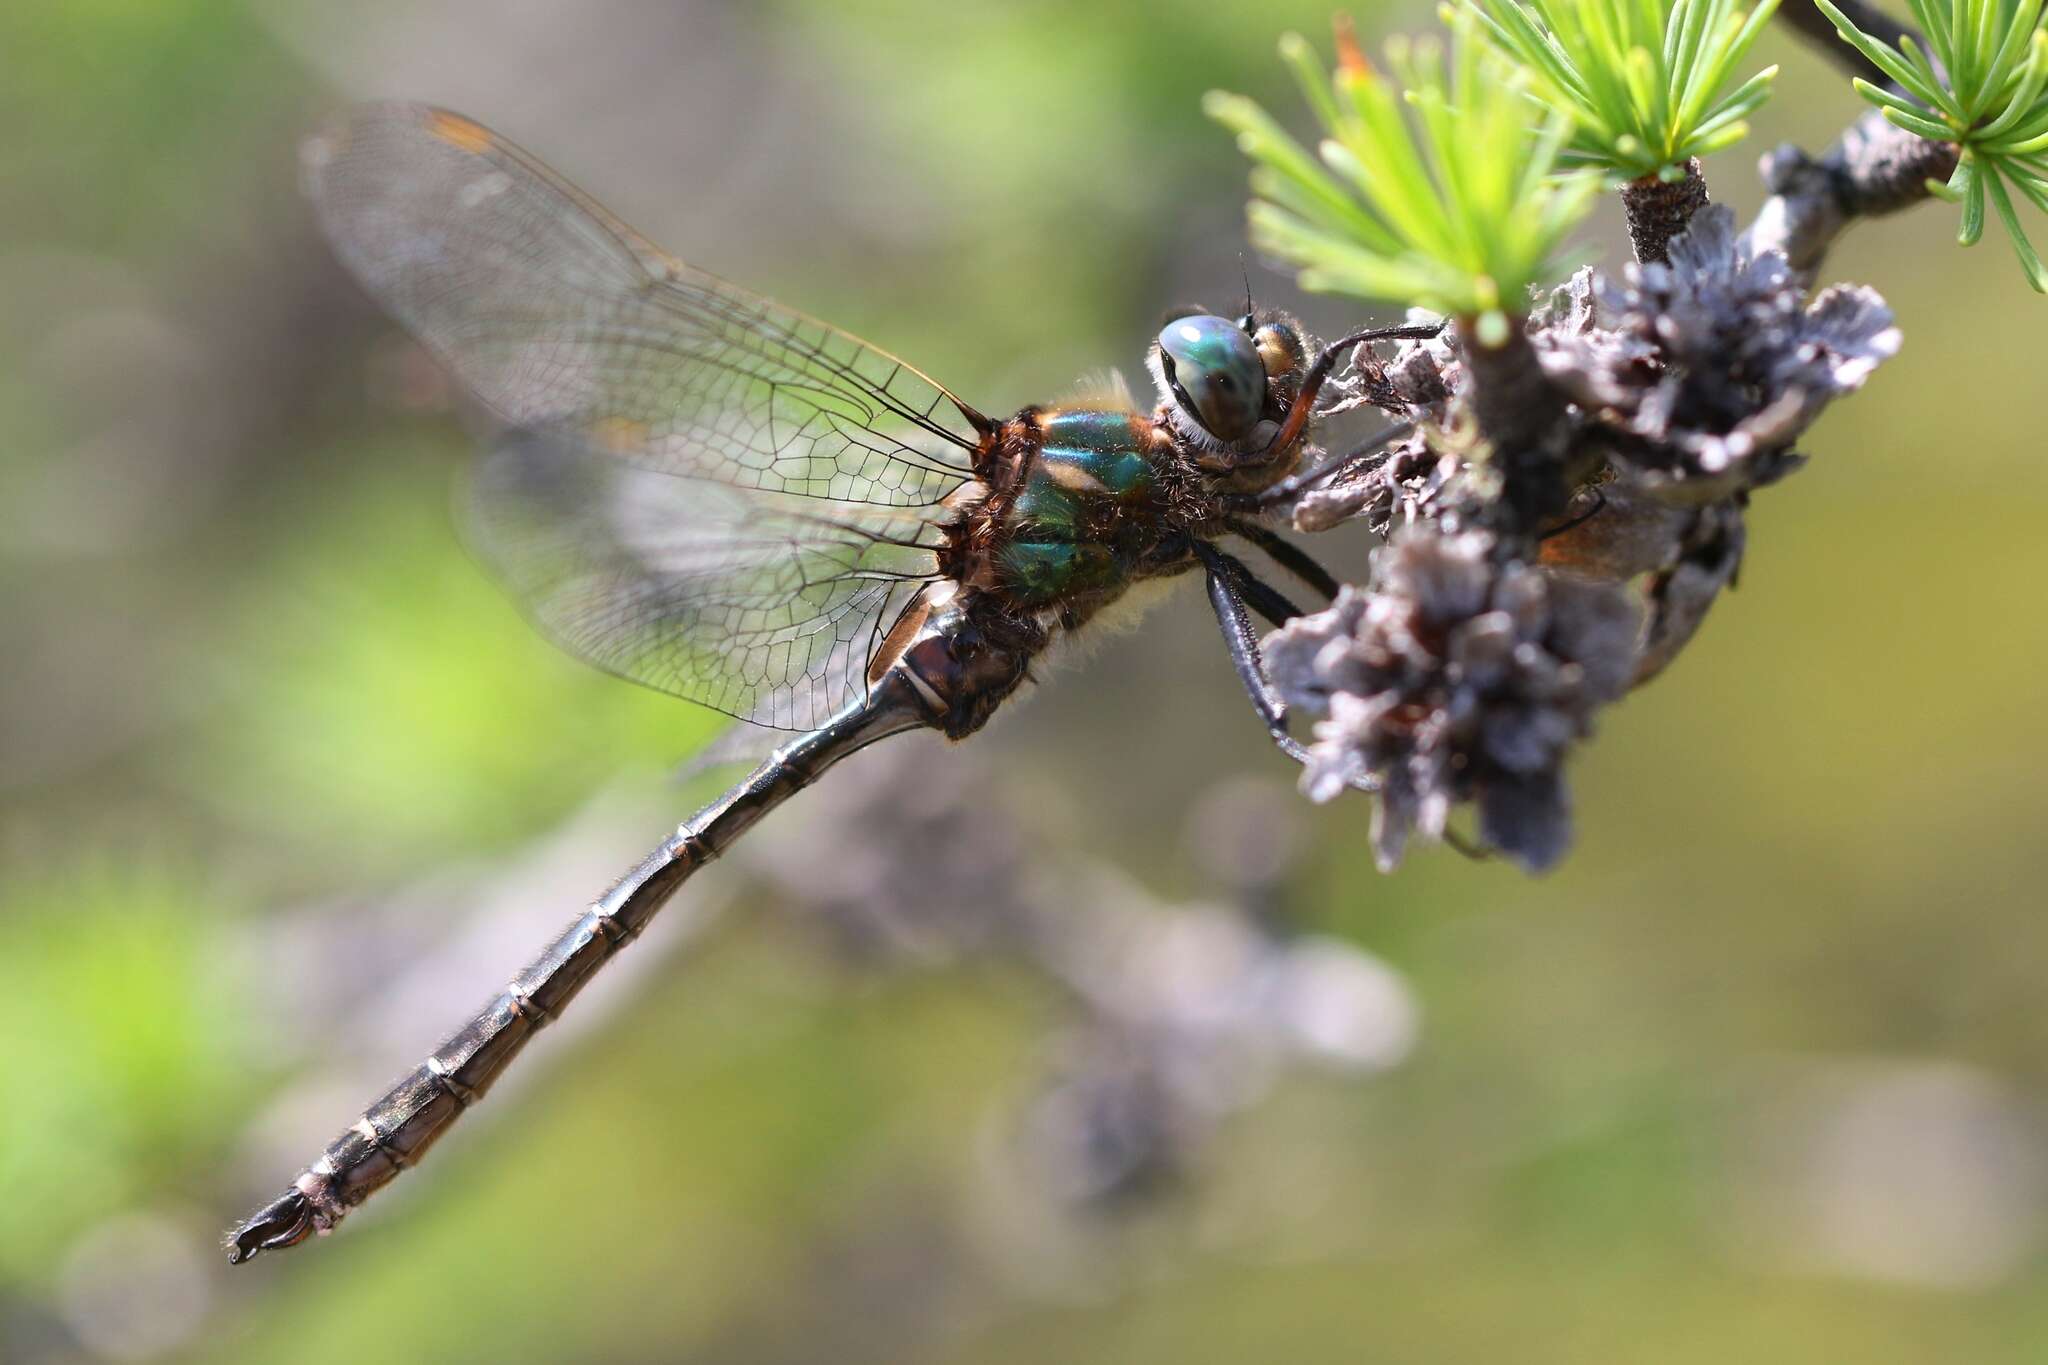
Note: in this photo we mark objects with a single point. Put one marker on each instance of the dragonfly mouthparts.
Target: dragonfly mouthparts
(284, 1223)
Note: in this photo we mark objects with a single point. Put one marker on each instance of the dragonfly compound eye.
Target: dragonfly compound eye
(1215, 374)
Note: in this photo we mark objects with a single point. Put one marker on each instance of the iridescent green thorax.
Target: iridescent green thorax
(1083, 512)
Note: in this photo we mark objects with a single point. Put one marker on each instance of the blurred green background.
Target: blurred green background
(1758, 1075)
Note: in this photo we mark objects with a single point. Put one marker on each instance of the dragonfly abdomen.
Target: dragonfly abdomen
(396, 1131)
(950, 677)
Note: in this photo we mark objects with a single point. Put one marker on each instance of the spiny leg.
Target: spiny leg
(1255, 593)
(1294, 485)
(1287, 555)
(1574, 523)
(1312, 383)
(1242, 642)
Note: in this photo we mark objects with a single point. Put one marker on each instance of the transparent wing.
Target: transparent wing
(701, 490)
(766, 606)
(556, 313)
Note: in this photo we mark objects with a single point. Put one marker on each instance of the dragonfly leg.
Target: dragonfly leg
(1303, 407)
(1293, 485)
(1226, 579)
(1260, 596)
(1287, 555)
(1574, 523)
(1302, 410)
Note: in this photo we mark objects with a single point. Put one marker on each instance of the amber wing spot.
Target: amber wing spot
(621, 436)
(458, 131)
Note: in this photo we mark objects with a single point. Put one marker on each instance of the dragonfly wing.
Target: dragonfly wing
(554, 313)
(766, 606)
(698, 489)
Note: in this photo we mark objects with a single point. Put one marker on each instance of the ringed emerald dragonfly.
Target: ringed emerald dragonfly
(702, 491)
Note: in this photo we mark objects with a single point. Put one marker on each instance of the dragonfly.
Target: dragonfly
(700, 490)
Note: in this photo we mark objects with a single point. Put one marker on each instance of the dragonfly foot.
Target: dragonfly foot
(285, 1223)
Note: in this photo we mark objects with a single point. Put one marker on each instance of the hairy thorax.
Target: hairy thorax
(1074, 506)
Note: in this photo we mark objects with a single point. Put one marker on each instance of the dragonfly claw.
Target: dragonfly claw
(287, 1222)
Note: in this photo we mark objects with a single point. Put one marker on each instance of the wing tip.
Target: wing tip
(318, 152)
(341, 131)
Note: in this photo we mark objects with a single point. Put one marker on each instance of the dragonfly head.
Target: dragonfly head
(1230, 383)
(1211, 372)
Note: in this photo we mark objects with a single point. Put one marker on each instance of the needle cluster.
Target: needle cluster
(1645, 80)
(1981, 83)
(1430, 186)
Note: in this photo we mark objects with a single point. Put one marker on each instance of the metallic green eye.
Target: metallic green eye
(1215, 374)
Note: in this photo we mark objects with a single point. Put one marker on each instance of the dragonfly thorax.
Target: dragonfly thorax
(1069, 508)
(1073, 510)
(1072, 505)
